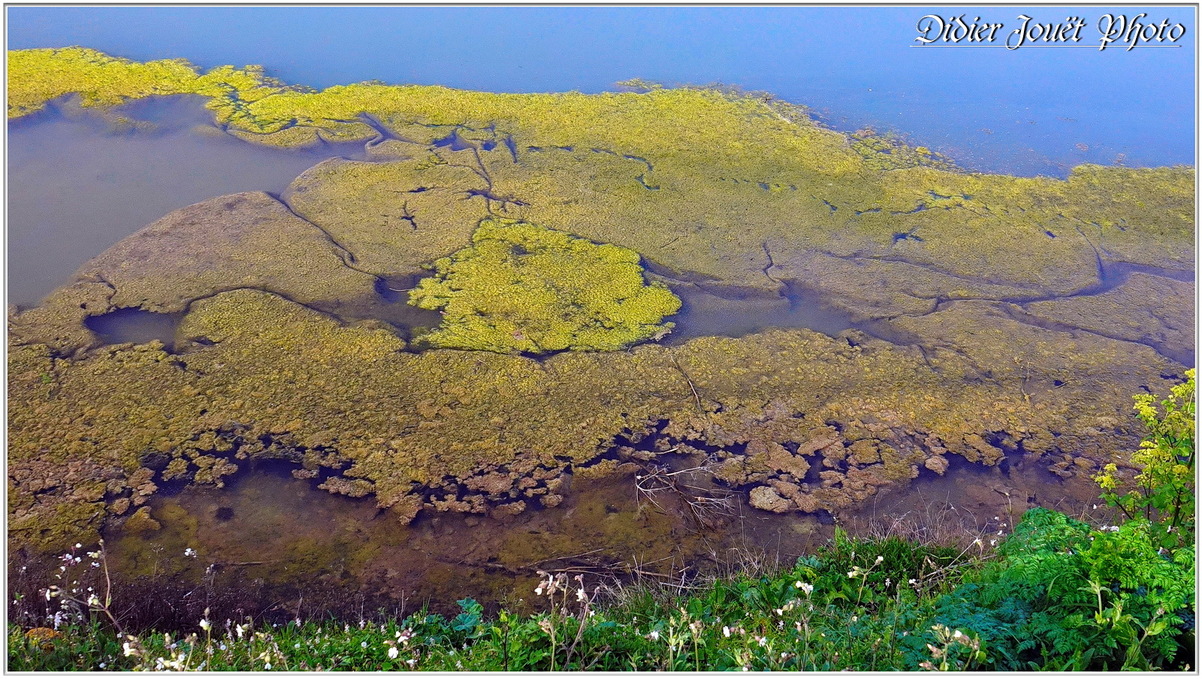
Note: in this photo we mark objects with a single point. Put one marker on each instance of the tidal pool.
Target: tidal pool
(79, 181)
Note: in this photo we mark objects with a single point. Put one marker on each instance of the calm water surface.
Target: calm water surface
(76, 185)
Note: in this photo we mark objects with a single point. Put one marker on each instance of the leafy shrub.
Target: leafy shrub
(1163, 492)
(1067, 596)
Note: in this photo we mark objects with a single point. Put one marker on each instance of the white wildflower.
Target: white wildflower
(393, 652)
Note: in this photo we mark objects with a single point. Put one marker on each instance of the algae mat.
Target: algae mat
(1000, 319)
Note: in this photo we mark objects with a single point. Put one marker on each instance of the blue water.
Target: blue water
(1028, 111)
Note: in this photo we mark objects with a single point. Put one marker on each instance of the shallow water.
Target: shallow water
(135, 325)
(76, 185)
(291, 550)
(708, 313)
(1024, 111)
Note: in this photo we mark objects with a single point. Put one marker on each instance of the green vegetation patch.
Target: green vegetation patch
(522, 287)
(38, 75)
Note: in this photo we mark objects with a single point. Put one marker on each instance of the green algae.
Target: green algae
(729, 193)
(36, 76)
(888, 151)
(522, 287)
(293, 379)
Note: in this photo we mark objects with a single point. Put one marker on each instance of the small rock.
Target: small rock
(509, 509)
(936, 463)
(765, 498)
(119, 506)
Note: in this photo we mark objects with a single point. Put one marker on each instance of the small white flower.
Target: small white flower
(363, 644)
(411, 662)
(580, 596)
(880, 558)
(77, 545)
(129, 650)
(654, 634)
(725, 631)
(267, 666)
(205, 625)
(393, 652)
(190, 552)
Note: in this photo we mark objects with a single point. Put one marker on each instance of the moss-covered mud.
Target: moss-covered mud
(998, 321)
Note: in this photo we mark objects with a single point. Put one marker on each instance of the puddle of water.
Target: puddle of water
(707, 313)
(292, 540)
(703, 314)
(135, 325)
(280, 547)
(76, 186)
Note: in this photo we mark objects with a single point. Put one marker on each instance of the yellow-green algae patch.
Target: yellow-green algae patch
(960, 271)
(522, 287)
(36, 76)
(272, 378)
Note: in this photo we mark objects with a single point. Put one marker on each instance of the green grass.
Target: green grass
(882, 604)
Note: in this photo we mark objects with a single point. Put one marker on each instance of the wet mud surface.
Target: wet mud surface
(857, 339)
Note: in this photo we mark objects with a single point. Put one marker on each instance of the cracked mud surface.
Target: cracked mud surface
(999, 321)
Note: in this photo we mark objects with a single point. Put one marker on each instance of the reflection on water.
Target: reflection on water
(291, 539)
(78, 182)
(706, 313)
(134, 325)
(288, 549)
